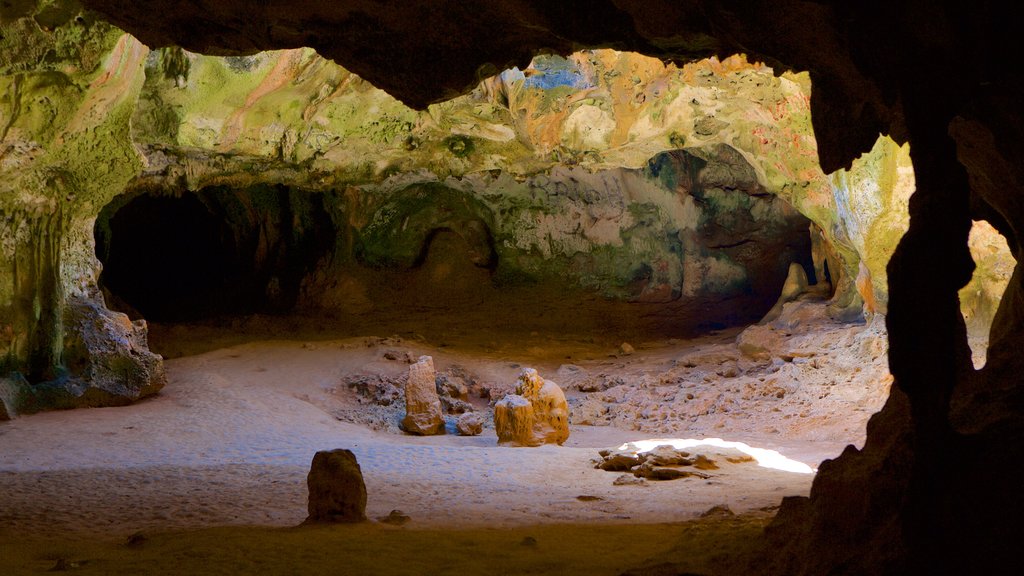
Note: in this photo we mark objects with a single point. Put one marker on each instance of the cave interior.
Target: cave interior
(649, 201)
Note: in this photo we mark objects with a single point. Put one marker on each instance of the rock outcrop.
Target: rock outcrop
(536, 414)
(337, 492)
(423, 415)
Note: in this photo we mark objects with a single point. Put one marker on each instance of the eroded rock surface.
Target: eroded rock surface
(536, 414)
(423, 414)
(337, 492)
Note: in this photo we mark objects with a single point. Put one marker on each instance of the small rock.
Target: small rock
(136, 539)
(629, 480)
(625, 349)
(529, 541)
(469, 424)
(720, 511)
(667, 455)
(588, 498)
(619, 461)
(395, 517)
(661, 472)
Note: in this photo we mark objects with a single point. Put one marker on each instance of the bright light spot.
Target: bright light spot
(765, 458)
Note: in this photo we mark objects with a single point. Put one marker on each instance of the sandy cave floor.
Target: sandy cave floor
(228, 444)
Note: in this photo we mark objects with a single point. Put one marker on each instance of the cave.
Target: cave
(596, 288)
(216, 252)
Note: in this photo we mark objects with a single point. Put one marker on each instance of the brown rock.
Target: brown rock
(661, 472)
(469, 424)
(667, 455)
(629, 480)
(619, 461)
(422, 406)
(395, 517)
(336, 489)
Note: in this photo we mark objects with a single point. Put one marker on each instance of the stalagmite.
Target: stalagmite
(536, 414)
(422, 405)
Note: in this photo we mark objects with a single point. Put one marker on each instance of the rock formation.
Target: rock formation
(423, 415)
(795, 285)
(336, 489)
(536, 414)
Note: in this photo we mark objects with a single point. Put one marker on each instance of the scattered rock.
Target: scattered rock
(668, 455)
(720, 511)
(422, 406)
(399, 356)
(646, 470)
(629, 480)
(136, 539)
(374, 389)
(702, 358)
(451, 386)
(663, 462)
(588, 498)
(469, 424)
(337, 492)
(589, 411)
(758, 341)
(702, 462)
(63, 565)
(395, 517)
(536, 414)
(620, 462)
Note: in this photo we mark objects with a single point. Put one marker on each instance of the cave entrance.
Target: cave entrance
(182, 256)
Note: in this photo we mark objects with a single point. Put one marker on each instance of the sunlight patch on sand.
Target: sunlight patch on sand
(765, 458)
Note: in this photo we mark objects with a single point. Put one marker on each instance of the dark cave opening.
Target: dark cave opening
(185, 256)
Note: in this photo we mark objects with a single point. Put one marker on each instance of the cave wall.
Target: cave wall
(70, 83)
(294, 116)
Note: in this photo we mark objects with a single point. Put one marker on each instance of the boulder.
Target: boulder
(469, 424)
(337, 492)
(536, 414)
(107, 362)
(423, 415)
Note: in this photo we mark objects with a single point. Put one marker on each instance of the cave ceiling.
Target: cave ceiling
(865, 58)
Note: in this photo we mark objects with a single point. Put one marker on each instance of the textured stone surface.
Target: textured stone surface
(423, 415)
(469, 424)
(536, 414)
(336, 489)
(795, 285)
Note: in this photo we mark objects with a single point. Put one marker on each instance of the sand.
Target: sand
(225, 448)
